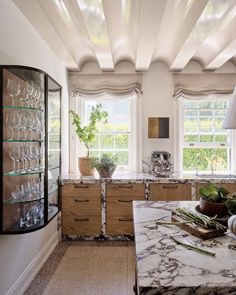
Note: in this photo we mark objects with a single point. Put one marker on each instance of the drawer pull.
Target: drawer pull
(125, 186)
(81, 201)
(126, 219)
(125, 201)
(166, 186)
(81, 219)
(81, 186)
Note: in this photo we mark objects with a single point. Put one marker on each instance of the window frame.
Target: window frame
(77, 148)
(181, 144)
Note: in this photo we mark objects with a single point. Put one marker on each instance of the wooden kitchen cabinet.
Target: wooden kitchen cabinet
(81, 209)
(119, 210)
(170, 192)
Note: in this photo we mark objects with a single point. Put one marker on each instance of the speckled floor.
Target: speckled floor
(87, 268)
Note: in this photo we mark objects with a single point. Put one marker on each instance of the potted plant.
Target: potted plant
(87, 134)
(105, 165)
(213, 200)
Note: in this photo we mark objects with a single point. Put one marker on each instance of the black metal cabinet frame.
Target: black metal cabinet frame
(30, 149)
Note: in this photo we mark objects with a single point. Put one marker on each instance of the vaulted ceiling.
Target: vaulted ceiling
(138, 31)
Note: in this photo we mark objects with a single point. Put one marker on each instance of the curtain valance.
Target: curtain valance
(115, 84)
(195, 86)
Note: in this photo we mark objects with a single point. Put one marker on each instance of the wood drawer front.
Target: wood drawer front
(82, 190)
(231, 187)
(170, 192)
(126, 190)
(121, 205)
(199, 185)
(81, 225)
(120, 225)
(81, 205)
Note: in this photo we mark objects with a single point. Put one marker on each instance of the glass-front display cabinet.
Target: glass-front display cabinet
(30, 146)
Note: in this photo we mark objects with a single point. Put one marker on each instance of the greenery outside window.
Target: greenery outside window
(119, 134)
(206, 147)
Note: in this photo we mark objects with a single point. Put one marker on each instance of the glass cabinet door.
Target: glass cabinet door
(22, 149)
(53, 145)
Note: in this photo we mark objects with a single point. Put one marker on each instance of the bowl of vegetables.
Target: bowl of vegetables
(216, 201)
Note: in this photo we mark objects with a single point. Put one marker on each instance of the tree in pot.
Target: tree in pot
(87, 134)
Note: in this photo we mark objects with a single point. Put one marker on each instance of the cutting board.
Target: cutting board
(197, 231)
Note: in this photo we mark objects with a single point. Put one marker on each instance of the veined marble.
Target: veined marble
(163, 267)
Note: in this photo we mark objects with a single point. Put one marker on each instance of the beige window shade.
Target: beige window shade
(195, 86)
(115, 84)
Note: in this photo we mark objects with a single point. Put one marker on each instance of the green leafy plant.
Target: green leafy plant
(87, 134)
(214, 194)
(105, 165)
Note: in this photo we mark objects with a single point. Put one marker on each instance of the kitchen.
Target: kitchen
(24, 42)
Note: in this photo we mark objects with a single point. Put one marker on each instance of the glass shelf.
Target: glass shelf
(53, 168)
(23, 173)
(22, 140)
(52, 191)
(13, 201)
(22, 108)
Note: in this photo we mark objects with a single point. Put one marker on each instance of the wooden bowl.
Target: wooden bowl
(213, 209)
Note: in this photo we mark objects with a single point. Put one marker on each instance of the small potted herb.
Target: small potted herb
(105, 165)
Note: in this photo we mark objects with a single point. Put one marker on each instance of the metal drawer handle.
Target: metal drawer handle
(81, 186)
(81, 219)
(126, 186)
(125, 201)
(81, 201)
(128, 219)
(165, 186)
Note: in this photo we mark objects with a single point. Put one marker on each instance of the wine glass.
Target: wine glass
(13, 88)
(13, 155)
(12, 122)
(30, 90)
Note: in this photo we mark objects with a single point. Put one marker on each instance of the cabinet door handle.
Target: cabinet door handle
(81, 201)
(126, 219)
(81, 219)
(166, 186)
(81, 186)
(125, 186)
(125, 201)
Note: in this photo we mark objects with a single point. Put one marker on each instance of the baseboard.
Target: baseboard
(30, 272)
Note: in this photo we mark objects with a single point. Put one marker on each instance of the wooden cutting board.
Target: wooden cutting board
(197, 231)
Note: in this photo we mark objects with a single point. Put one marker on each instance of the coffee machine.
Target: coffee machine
(161, 163)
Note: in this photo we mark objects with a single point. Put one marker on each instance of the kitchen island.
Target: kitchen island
(163, 267)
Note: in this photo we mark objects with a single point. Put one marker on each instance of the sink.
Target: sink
(216, 175)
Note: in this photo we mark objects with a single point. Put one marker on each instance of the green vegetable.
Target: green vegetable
(231, 205)
(210, 193)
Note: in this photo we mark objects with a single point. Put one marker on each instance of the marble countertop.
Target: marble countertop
(144, 177)
(164, 267)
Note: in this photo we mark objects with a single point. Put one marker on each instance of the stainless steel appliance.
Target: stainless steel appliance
(161, 163)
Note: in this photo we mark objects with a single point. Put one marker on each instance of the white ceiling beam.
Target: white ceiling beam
(150, 21)
(219, 39)
(118, 30)
(182, 51)
(38, 19)
(75, 40)
(222, 57)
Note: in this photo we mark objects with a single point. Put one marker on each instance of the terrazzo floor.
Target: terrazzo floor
(87, 268)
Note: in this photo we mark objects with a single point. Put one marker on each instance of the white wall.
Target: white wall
(20, 44)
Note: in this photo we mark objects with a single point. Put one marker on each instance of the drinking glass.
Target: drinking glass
(13, 88)
(23, 125)
(23, 159)
(12, 122)
(13, 154)
(30, 90)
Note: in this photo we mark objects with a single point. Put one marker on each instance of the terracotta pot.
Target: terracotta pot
(85, 166)
(212, 209)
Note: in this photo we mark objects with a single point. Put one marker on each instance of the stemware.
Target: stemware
(13, 88)
(13, 154)
(12, 121)
(30, 90)
(23, 125)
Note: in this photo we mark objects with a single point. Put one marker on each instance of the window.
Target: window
(205, 146)
(118, 136)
